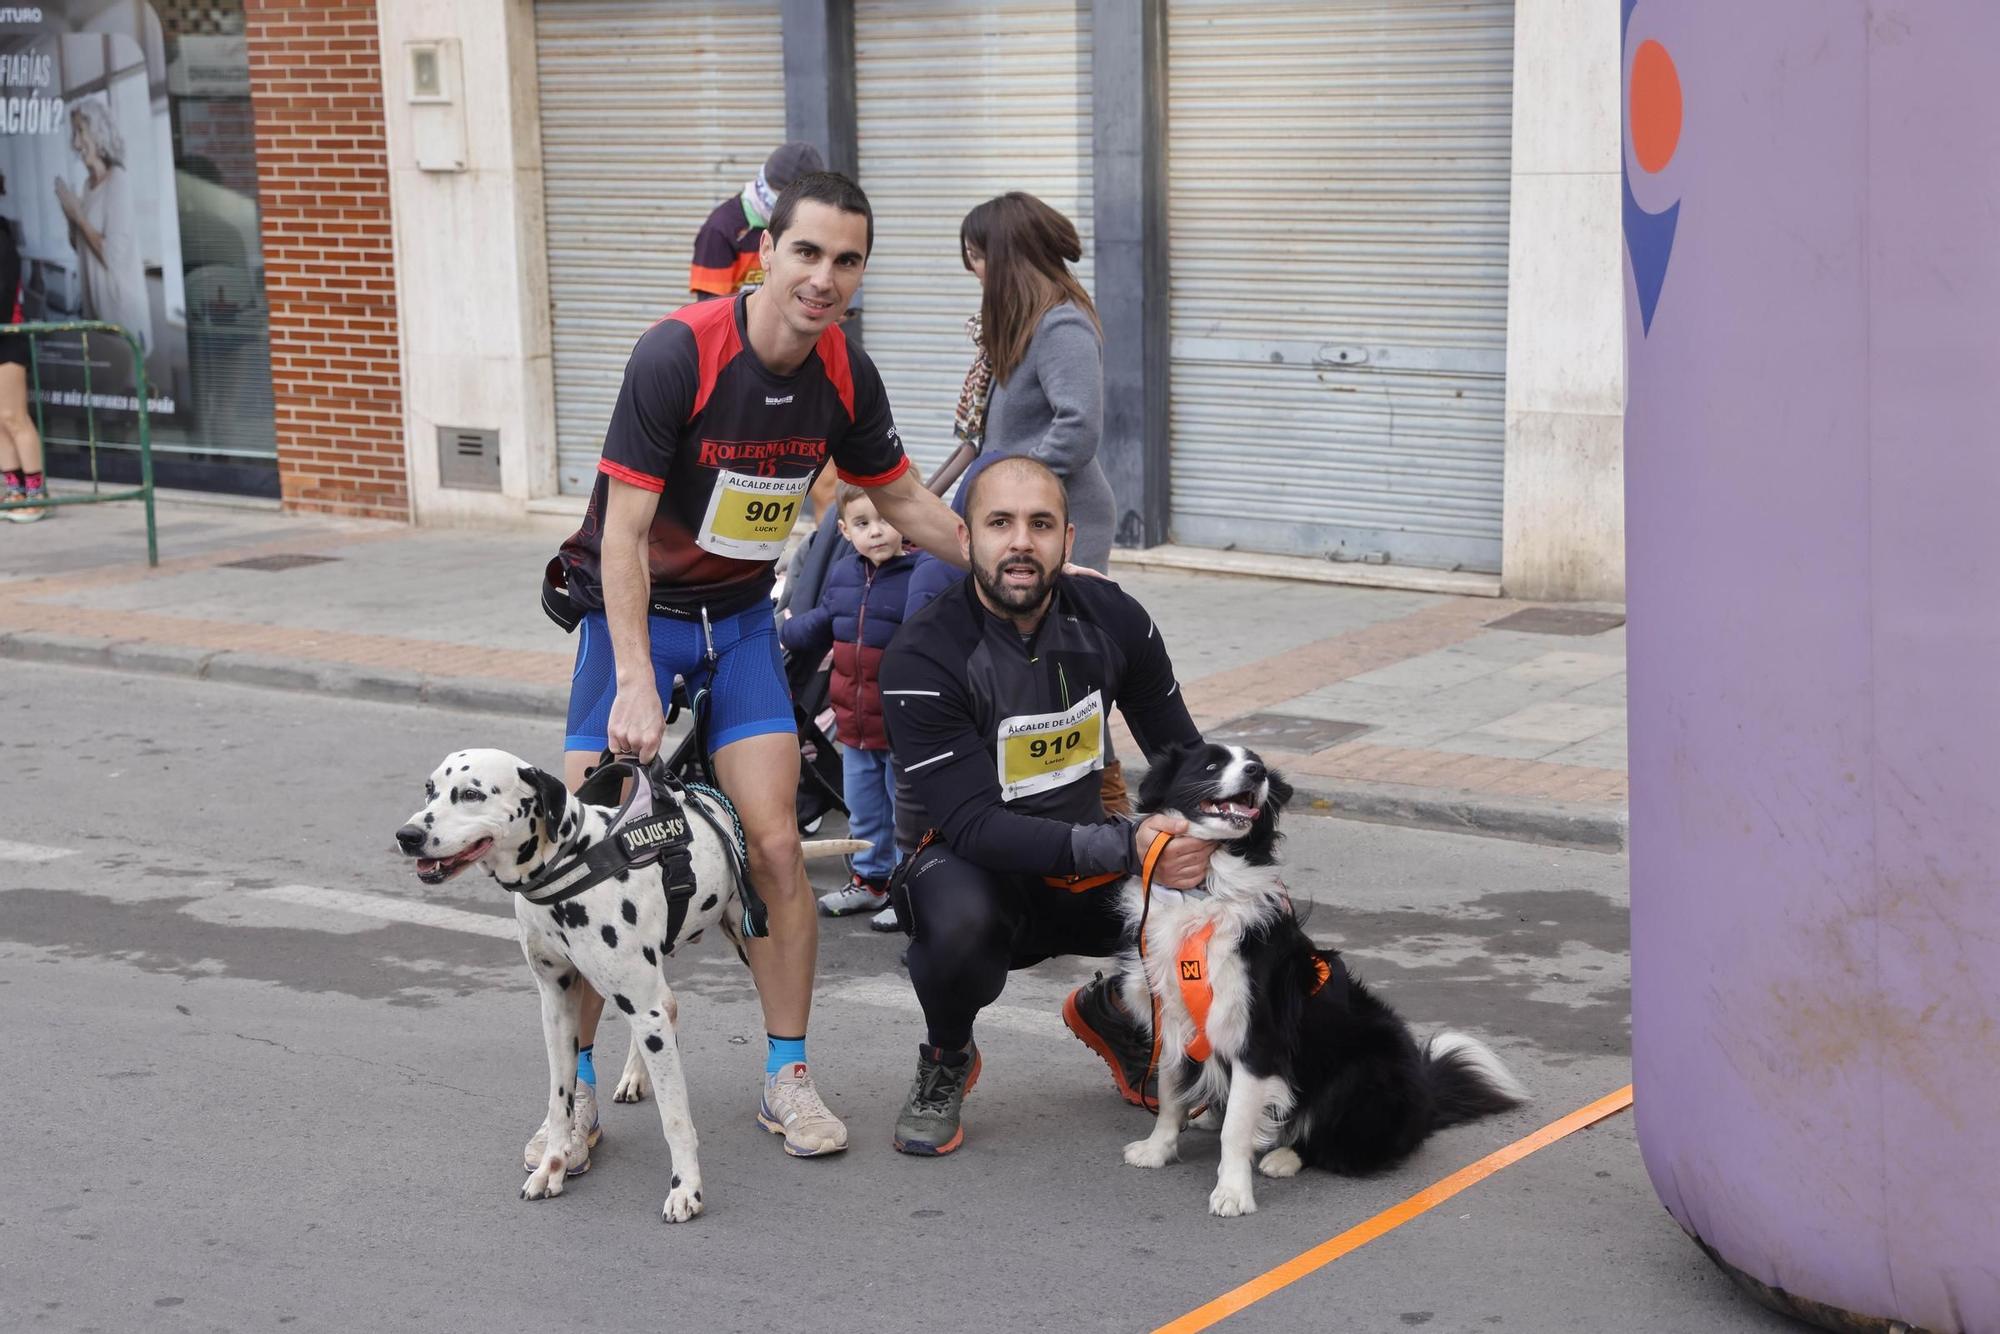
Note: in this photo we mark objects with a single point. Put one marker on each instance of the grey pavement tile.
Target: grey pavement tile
(1503, 747)
(1507, 646)
(1610, 692)
(1439, 670)
(1556, 721)
(1568, 667)
(1606, 750)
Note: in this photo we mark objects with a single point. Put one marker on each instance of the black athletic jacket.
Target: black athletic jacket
(957, 674)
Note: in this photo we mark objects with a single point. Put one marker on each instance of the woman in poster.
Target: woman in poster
(101, 224)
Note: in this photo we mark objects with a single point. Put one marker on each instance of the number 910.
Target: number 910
(1055, 747)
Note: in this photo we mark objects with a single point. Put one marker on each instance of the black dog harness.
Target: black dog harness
(650, 828)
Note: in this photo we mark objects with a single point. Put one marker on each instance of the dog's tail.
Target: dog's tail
(1467, 1081)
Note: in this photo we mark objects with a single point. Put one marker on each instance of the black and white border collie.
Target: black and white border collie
(1309, 1067)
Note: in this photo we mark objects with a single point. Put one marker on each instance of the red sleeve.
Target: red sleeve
(653, 408)
(868, 452)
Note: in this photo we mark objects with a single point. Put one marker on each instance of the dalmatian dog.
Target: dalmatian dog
(494, 810)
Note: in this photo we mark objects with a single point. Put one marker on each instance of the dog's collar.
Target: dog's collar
(649, 827)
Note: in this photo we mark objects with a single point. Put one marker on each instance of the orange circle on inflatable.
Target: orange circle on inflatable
(1656, 106)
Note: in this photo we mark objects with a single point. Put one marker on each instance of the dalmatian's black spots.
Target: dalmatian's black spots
(675, 1184)
(611, 935)
(573, 913)
(624, 1004)
(454, 796)
(527, 852)
(651, 957)
(653, 1042)
(708, 903)
(697, 1197)
(569, 1104)
(429, 819)
(569, 823)
(546, 964)
(561, 1089)
(631, 911)
(666, 946)
(563, 936)
(695, 939)
(652, 1014)
(565, 980)
(622, 877)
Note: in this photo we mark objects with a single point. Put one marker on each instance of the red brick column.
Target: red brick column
(329, 258)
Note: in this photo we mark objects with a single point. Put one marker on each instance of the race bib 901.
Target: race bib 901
(750, 517)
(1040, 751)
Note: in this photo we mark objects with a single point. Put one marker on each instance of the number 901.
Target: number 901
(770, 511)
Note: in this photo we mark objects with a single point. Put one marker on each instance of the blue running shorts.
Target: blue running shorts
(746, 682)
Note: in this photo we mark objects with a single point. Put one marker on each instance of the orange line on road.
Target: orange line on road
(1296, 1268)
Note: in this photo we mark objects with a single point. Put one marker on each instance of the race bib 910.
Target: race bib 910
(750, 517)
(1039, 751)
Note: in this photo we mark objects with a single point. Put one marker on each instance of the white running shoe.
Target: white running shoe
(792, 1108)
(584, 1134)
(885, 921)
(857, 895)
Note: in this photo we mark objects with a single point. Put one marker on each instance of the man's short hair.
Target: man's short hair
(821, 187)
(1014, 465)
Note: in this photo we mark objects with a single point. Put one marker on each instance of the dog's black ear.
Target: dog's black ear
(1162, 773)
(1281, 791)
(551, 797)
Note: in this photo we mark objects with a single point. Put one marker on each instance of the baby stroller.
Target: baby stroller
(819, 769)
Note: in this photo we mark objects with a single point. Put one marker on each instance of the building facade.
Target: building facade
(1358, 261)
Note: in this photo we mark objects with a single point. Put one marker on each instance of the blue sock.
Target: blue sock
(585, 1071)
(783, 1051)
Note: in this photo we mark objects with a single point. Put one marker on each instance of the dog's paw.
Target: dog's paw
(547, 1181)
(683, 1203)
(1150, 1153)
(1231, 1199)
(1281, 1163)
(634, 1086)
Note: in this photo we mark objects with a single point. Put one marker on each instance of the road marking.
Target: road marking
(894, 992)
(31, 852)
(384, 906)
(1296, 1268)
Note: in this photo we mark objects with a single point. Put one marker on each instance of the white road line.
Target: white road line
(895, 993)
(393, 909)
(31, 852)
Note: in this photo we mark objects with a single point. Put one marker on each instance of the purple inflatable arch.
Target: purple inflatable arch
(1812, 451)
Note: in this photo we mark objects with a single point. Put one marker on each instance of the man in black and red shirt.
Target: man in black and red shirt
(727, 249)
(728, 411)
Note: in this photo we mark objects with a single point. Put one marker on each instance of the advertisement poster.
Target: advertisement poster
(87, 187)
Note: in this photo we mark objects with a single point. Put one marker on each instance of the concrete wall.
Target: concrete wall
(471, 262)
(1562, 526)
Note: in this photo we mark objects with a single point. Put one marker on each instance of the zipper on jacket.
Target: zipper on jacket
(860, 626)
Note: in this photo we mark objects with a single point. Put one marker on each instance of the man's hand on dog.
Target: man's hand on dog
(1184, 863)
(637, 722)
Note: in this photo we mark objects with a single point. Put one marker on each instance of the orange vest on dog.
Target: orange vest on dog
(1198, 991)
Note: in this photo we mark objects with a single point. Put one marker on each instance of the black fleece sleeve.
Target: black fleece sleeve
(950, 768)
(1149, 696)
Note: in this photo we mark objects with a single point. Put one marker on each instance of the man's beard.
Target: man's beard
(1014, 598)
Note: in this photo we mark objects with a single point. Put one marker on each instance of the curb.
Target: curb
(1593, 827)
(1598, 828)
(273, 672)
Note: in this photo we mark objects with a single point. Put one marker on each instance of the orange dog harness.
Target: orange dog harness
(1197, 992)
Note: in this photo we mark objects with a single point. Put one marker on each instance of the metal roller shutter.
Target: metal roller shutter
(651, 112)
(1337, 217)
(958, 102)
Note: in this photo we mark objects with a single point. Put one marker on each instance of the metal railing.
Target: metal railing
(33, 332)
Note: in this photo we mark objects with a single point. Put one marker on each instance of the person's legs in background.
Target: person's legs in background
(21, 475)
(868, 782)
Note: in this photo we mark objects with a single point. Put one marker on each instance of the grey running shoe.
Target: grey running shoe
(584, 1134)
(793, 1108)
(929, 1126)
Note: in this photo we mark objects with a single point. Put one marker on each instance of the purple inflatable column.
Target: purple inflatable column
(1812, 463)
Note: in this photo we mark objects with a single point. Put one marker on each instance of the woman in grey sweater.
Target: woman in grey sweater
(1040, 335)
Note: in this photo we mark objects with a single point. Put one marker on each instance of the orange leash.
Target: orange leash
(1147, 866)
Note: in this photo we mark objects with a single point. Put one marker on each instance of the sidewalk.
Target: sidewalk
(1459, 712)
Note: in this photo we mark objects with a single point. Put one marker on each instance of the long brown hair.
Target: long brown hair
(1028, 248)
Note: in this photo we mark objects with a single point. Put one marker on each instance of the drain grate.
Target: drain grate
(290, 560)
(1284, 731)
(1558, 621)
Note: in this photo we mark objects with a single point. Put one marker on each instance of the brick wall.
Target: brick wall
(316, 85)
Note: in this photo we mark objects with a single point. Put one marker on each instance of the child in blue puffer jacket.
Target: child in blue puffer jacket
(860, 606)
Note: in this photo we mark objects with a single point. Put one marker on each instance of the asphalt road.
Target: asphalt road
(269, 1081)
